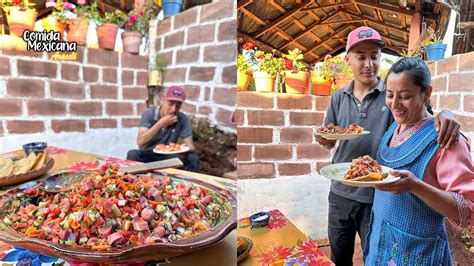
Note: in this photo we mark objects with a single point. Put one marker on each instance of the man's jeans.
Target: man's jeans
(189, 159)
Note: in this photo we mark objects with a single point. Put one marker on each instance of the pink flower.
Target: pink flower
(327, 57)
(141, 13)
(132, 19)
(50, 3)
(68, 6)
(126, 25)
(332, 66)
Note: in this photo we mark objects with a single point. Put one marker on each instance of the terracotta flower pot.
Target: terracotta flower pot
(264, 82)
(296, 82)
(107, 33)
(342, 80)
(131, 42)
(20, 19)
(51, 23)
(77, 30)
(12, 43)
(321, 86)
(243, 80)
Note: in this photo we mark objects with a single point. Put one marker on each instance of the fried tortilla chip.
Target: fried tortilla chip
(32, 158)
(6, 167)
(39, 162)
(374, 176)
(22, 166)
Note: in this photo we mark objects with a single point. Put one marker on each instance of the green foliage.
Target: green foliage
(136, 22)
(160, 63)
(7, 4)
(292, 60)
(326, 69)
(59, 12)
(91, 11)
(268, 63)
(243, 65)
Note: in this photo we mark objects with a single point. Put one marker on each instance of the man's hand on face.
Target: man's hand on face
(168, 120)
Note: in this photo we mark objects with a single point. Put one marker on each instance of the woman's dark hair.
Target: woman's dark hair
(417, 70)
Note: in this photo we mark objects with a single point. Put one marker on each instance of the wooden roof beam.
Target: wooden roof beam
(243, 3)
(277, 6)
(281, 19)
(331, 52)
(325, 6)
(385, 7)
(328, 38)
(261, 45)
(390, 27)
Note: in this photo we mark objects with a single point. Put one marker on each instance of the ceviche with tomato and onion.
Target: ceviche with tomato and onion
(110, 209)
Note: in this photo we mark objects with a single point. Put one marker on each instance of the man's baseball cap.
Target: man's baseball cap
(363, 34)
(175, 93)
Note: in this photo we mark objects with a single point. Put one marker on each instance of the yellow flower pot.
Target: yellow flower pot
(296, 82)
(321, 86)
(264, 82)
(51, 23)
(243, 80)
(20, 19)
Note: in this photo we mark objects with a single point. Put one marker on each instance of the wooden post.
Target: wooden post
(415, 29)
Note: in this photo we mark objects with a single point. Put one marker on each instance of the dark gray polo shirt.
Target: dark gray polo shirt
(166, 135)
(373, 115)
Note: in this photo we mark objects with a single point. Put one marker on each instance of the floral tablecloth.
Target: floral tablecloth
(223, 253)
(280, 243)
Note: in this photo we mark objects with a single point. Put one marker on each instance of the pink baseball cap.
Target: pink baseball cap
(363, 34)
(176, 93)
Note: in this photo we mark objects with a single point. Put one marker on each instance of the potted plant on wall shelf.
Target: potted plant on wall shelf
(107, 30)
(296, 75)
(20, 15)
(59, 18)
(244, 73)
(267, 68)
(323, 76)
(79, 26)
(435, 49)
(135, 27)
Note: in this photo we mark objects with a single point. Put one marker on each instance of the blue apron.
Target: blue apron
(404, 230)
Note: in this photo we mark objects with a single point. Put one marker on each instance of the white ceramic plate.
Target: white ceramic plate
(345, 136)
(185, 149)
(336, 172)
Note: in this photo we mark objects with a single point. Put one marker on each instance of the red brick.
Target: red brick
(25, 126)
(142, 78)
(68, 125)
(86, 108)
(67, 90)
(141, 107)
(447, 65)
(193, 92)
(130, 122)
(22, 53)
(90, 74)
(69, 72)
(432, 68)
(239, 116)
(225, 96)
(109, 75)
(306, 118)
(102, 57)
(467, 123)
(254, 135)
(175, 39)
(265, 117)
(320, 164)
(102, 123)
(1, 129)
(119, 108)
(135, 93)
(461, 82)
(323, 103)
(466, 61)
(202, 73)
(205, 110)
(36, 68)
(434, 101)
(207, 95)
(227, 31)
(158, 44)
(188, 55)
(137, 62)
(174, 75)
(127, 77)
(104, 92)
(25, 87)
(296, 135)
(184, 19)
(244, 152)
(10, 107)
(451, 102)
(294, 101)
(164, 27)
(46, 107)
(469, 103)
(312, 151)
(273, 152)
(217, 10)
(224, 117)
(200, 34)
(439, 84)
(4, 66)
(220, 53)
(289, 169)
(229, 75)
(188, 108)
(255, 170)
(255, 100)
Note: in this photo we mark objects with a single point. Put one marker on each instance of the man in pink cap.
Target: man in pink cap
(165, 124)
(362, 102)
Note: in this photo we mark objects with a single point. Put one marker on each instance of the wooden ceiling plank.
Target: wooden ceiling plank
(277, 6)
(335, 49)
(257, 19)
(385, 7)
(260, 44)
(325, 6)
(241, 4)
(122, 4)
(299, 24)
(281, 19)
(327, 39)
(376, 22)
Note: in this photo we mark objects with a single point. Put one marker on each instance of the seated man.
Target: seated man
(164, 124)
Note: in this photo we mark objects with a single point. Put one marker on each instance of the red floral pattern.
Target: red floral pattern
(277, 222)
(277, 253)
(56, 151)
(84, 166)
(310, 250)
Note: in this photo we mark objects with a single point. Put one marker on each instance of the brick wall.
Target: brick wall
(93, 100)
(199, 47)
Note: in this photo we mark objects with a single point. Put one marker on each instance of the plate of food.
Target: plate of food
(244, 245)
(172, 148)
(333, 132)
(22, 169)
(110, 217)
(362, 172)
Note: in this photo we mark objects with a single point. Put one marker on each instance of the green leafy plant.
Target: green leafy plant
(243, 65)
(325, 70)
(160, 63)
(136, 22)
(60, 11)
(292, 61)
(90, 12)
(110, 17)
(268, 63)
(7, 4)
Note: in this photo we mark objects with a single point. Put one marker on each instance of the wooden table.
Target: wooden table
(222, 253)
(280, 243)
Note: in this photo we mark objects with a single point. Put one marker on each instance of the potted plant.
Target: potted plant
(107, 30)
(135, 27)
(244, 73)
(267, 68)
(435, 49)
(171, 7)
(323, 76)
(296, 75)
(79, 26)
(59, 18)
(343, 73)
(21, 15)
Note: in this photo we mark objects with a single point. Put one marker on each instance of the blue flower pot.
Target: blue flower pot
(171, 7)
(435, 51)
